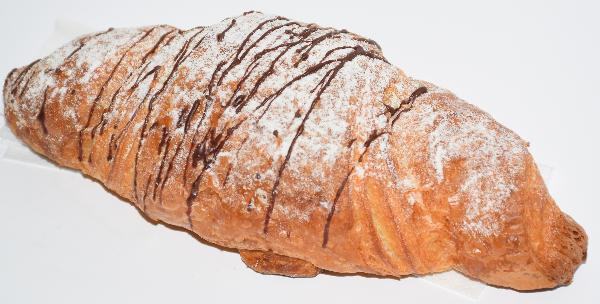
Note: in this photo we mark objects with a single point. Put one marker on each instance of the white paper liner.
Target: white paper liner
(11, 148)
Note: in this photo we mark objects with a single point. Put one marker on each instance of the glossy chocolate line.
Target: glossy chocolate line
(372, 137)
(288, 46)
(41, 117)
(171, 38)
(137, 80)
(170, 167)
(195, 45)
(111, 147)
(369, 41)
(338, 193)
(358, 51)
(239, 56)
(102, 122)
(322, 81)
(240, 101)
(85, 40)
(157, 180)
(179, 145)
(201, 27)
(25, 86)
(307, 48)
(178, 59)
(190, 200)
(226, 175)
(17, 81)
(209, 103)
(207, 155)
(95, 102)
(311, 70)
(214, 75)
(336, 49)
(177, 150)
(139, 145)
(221, 35)
(82, 42)
(254, 63)
(299, 131)
(395, 114)
(163, 140)
(126, 127)
(185, 56)
(181, 117)
(155, 47)
(113, 99)
(188, 119)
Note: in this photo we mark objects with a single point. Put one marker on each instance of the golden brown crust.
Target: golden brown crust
(271, 263)
(300, 146)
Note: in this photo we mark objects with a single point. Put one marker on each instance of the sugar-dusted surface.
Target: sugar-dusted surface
(264, 133)
(275, 66)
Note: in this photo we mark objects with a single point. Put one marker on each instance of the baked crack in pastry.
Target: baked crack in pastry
(300, 146)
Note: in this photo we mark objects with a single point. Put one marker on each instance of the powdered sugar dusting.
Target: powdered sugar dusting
(201, 86)
(492, 158)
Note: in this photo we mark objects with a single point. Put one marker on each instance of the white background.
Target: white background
(532, 64)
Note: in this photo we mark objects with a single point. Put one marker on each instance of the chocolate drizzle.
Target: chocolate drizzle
(41, 117)
(239, 56)
(82, 43)
(205, 133)
(338, 64)
(338, 193)
(181, 117)
(157, 180)
(405, 105)
(114, 144)
(308, 47)
(372, 137)
(323, 84)
(103, 121)
(221, 35)
(240, 100)
(203, 153)
(349, 145)
(155, 47)
(207, 151)
(19, 79)
(207, 105)
(99, 96)
(179, 58)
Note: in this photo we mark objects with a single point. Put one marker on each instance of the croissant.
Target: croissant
(301, 147)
